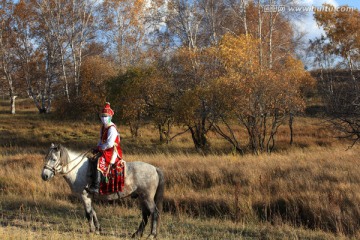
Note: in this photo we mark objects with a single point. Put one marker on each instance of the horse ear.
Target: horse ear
(55, 146)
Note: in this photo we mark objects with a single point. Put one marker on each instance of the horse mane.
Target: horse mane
(64, 155)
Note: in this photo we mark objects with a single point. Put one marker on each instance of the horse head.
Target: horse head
(53, 161)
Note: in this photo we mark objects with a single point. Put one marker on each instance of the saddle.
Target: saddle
(114, 179)
(112, 176)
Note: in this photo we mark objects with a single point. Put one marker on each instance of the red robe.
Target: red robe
(105, 159)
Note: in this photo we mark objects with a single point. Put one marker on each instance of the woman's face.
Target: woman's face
(105, 120)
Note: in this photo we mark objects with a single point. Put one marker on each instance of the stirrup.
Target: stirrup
(93, 190)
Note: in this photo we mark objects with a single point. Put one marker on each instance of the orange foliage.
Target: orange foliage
(255, 95)
(342, 28)
(266, 89)
(95, 71)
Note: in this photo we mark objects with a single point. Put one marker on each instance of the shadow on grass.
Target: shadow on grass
(45, 216)
(298, 213)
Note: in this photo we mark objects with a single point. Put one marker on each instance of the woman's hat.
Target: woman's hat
(107, 111)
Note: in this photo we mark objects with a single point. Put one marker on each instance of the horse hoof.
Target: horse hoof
(136, 235)
(151, 236)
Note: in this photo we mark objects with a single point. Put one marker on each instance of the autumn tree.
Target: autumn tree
(127, 92)
(30, 59)
(195, 24)
(56, 31)
(95, 72)
(258, 99)
(192, 75)
(23, 47)
(193, 27)
(7, 53)
(343, 40)
(276, 38)
(127, 28)
(341, 27)
(273, 29)
(160, 100)
(81, 27)
(324, 59)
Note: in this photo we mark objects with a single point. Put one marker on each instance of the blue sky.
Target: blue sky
(351, 3)
(308, 24)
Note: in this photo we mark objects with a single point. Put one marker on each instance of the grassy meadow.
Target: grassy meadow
(310, 190)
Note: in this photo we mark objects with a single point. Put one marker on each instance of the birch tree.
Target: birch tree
(258, 99)
(124, 27)
(7, 55)
(343, 40)
(29, 59)
(68, 26)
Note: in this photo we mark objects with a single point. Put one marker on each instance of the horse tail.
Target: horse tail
(159, 195)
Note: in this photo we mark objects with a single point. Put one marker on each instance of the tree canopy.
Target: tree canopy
(202, 65)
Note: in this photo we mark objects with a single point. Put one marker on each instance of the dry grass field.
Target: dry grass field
(310, 190)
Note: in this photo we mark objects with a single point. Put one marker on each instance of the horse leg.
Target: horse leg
(96, 222)
(154, 222)
(149, 208)
(152, 205)
(145, 216)
(158, 201)
(90, 214)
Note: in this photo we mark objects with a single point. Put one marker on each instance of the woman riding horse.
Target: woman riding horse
(143, 181)
(108, 146)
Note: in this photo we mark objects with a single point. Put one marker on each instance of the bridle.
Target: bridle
(58, 168)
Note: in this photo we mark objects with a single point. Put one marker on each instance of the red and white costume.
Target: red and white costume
(109, 143)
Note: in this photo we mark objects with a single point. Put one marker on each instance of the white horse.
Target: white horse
(142, 181)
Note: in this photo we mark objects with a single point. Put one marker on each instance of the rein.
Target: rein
(58, 168)
(83, 157)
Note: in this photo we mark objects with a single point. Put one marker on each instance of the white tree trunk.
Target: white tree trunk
(12, 101)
